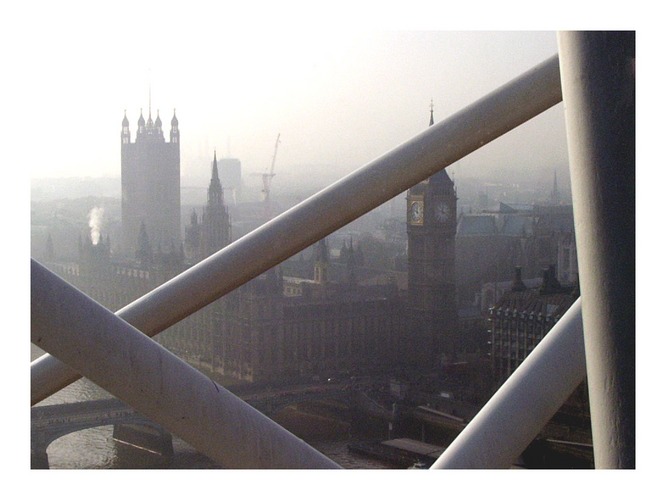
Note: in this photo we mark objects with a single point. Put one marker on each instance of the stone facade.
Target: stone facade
(521, 318)
(324, 330)
(150, 181)
(490, 245)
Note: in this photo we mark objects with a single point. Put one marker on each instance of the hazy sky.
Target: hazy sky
(338, 95)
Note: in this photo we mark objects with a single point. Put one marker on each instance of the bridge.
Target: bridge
(594, 74)
(51, 422)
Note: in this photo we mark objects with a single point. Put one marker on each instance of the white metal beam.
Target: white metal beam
(136, 369)
(598, 82)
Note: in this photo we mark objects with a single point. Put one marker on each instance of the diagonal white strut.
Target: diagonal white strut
(524, 404)
(158, 384)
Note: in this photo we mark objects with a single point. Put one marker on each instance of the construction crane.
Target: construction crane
(268, 177)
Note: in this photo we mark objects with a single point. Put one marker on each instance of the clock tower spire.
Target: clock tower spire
(431, 230)
(432, 108)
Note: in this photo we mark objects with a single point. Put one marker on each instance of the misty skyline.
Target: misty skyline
(338, 99)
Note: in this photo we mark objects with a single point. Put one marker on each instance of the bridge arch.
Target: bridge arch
(50, 423)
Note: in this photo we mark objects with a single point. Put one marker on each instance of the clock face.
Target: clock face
(442, 212)
(416, 212)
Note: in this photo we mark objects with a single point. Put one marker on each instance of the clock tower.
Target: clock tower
(431, 231)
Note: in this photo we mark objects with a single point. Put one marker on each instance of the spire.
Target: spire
(215, 196)
(215, 173)
(432, 119)
(442, 177)
(175, 134)
(149, 123)
(141, 124)
(321, 262)
(216, 227)
(321, 251)
(125, 132)
(158, 126)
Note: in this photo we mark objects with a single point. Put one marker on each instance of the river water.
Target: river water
(96, 449)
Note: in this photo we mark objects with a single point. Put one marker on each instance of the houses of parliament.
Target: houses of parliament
(275, 327)
(278, 327)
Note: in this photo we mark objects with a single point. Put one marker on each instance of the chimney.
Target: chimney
(550, 283)
(518, 285)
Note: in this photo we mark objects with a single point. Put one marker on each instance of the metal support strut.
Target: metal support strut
(598, 85)
(136, 369)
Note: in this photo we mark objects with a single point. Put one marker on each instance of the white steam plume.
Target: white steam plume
(95, 223)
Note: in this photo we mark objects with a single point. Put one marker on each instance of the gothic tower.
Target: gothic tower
(150, 180)
(321, 262)
(215, 225)
(431, 230)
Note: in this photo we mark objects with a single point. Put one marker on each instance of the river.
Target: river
(96, 449)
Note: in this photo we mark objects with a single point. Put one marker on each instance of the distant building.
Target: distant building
(431, 262)
(115, 283)
(490, 244)
(279, 328)
(150, 180)
(270, 329)
(342, 317)
(521, 318)
(213, 232)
